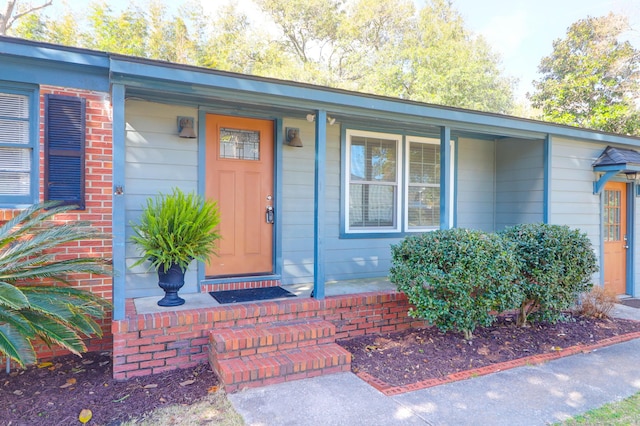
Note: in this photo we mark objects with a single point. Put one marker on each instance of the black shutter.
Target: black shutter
(64, 140)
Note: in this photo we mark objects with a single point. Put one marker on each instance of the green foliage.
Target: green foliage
(386, 47)
(557, 264)
(591, 78)
(57, 314)
(456, 279)
(175, 229)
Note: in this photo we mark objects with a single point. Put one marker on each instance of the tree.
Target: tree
(591, 78)
(31, 308)
(11, 14)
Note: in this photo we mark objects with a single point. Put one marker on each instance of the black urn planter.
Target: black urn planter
(171, 281)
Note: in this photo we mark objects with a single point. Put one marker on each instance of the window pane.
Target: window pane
(14, 106)
(14, 159)
(12, 131)
(14, 183)
(424, 206)
(373, 159)
(372, 205)
(240, 144)
(424, 163)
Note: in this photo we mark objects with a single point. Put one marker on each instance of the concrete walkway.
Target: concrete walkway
(532, 395)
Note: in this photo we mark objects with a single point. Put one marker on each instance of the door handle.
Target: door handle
(269, 214)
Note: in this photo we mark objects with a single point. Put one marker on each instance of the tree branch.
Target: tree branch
(7, 20)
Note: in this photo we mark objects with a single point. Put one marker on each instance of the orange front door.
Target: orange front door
(239, 177)
(615, 237)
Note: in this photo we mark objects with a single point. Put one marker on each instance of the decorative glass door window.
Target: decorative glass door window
(612, 203)
(239, 144)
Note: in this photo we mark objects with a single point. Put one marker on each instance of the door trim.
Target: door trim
(277, 182)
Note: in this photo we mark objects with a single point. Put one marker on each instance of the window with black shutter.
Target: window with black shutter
(64, 135)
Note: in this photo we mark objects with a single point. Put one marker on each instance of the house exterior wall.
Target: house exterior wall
(519, 182)
(156, 161)
(98, 205)
(476, 207)
(572, 200)
(345, 258)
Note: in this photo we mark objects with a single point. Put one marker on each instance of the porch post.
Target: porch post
(319, 205)
(118, 207)
(546, 214)
(445, 177)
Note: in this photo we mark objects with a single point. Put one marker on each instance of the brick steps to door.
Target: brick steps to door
(265, 354)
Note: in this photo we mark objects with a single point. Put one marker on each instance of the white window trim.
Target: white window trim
(399, 182)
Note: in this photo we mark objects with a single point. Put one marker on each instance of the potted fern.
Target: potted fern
(174, 230)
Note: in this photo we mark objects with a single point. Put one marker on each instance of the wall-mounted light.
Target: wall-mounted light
(632, 175)
(312, 117)
(292, 136)
(185, 127)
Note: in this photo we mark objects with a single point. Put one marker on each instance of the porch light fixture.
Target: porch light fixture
(632, 176)
(185, 127)
(312, 117)
(292, 136)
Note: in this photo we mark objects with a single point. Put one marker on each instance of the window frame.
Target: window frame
(402, 226)
(33, 145)
(398, 138)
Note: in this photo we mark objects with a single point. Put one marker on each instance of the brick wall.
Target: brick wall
(98, 163)
(152, 343)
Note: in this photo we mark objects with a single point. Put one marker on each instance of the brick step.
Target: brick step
(244, 341)
(280, 366)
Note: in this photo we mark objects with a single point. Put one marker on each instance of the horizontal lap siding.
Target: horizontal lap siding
(519, 182)
(157, 160)
(572, 200)
(476, 184)
(344, 258)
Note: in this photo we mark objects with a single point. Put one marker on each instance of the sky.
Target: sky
(520, 31)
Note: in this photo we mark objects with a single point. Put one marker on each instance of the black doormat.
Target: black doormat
(634, 303)
(250, 294)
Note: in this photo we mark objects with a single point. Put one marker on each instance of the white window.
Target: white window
(373, 180)
(422, 210)
(16, 149)
(391, 186)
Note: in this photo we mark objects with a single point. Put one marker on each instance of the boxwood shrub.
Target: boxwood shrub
(556, 266)
(456, 279)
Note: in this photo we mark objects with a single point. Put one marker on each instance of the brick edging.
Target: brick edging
(390, 390)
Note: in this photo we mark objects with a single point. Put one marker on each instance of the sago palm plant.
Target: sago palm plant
(35, 298)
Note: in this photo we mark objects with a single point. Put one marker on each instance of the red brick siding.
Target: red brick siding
(151, 343)
(98, 165)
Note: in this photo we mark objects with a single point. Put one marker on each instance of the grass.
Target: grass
(625, 412)
(215, 409)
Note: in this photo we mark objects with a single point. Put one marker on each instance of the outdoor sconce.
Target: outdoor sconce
(185, 127)
(312, 117)
(292, 136)
(632, 176)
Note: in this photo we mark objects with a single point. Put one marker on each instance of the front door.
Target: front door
(615, 237)
(239, 177)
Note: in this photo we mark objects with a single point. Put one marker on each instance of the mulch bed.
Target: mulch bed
(427, 355)
(54, 393)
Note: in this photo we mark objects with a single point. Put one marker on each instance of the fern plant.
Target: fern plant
(30, 305)
(175, 229)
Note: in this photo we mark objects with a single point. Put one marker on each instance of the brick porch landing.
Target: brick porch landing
(149, 343)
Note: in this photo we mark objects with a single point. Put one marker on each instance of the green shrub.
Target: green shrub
(51, 311)
(557, 264)
(456, 279)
